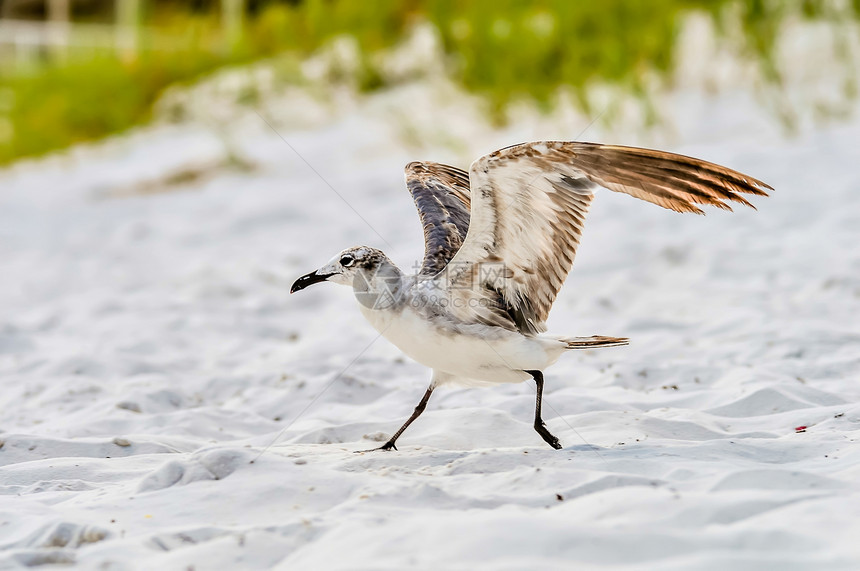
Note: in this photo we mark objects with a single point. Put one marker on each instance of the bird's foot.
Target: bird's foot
(553, 441)
(387, 446)
(547, 436)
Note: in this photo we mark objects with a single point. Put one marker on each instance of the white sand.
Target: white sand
(149, 349)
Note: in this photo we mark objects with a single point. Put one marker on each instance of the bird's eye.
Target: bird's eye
(347, 261)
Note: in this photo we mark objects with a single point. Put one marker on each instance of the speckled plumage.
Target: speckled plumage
(441, 195)
(530, 202)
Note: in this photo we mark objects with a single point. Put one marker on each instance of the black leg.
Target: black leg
(540, 427)
(415, 414)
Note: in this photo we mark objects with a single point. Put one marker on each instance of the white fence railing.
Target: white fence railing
(25, 34)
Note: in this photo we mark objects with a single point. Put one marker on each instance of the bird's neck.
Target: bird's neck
(380, 288)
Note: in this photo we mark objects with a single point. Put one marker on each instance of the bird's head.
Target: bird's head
(344, 268)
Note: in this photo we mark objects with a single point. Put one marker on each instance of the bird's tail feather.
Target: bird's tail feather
(594, 342)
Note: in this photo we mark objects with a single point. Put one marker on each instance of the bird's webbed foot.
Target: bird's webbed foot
(387, 446)
(548, 437)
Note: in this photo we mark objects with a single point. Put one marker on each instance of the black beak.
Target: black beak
(307, 280)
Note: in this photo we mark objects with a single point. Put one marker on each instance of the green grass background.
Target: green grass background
(503, 50)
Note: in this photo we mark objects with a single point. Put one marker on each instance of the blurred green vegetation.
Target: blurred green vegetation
(502, 49)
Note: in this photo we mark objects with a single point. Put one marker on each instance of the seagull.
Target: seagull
(499, 242)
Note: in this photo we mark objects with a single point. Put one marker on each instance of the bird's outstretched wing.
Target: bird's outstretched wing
(441, 194)
(529, 204)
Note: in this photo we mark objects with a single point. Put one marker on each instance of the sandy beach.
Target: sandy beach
(150, 350)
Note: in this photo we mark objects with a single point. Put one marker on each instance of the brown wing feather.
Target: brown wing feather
(677, 182)
(529, 204)
(441, 195)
